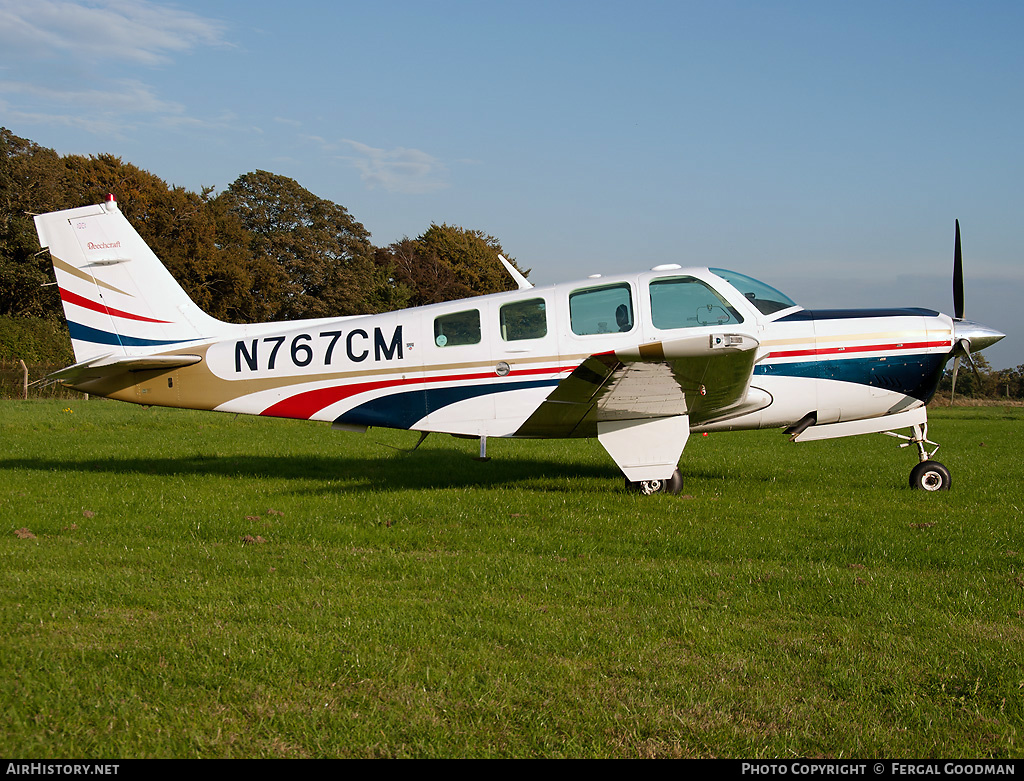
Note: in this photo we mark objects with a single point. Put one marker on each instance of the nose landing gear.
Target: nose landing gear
(928, 475)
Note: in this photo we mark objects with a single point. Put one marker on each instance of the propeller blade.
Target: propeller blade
(958, 277)
(952, 390)
(973, 365)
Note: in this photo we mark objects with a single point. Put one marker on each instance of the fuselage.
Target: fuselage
(483, 366)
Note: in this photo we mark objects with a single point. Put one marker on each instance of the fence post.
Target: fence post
(24, 380)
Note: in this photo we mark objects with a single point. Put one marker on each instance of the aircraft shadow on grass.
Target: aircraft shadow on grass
(429, 470)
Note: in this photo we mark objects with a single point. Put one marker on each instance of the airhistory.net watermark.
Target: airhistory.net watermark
(60, 769)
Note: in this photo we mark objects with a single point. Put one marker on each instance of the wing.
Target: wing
(639, 403)
(702, 377)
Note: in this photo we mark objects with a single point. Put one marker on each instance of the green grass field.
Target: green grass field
(185, 584)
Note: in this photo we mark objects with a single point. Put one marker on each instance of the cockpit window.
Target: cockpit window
(767, 299)
(686, 302)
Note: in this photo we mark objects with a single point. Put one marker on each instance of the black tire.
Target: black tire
(650, 487)
(930, 476)
(675, 484)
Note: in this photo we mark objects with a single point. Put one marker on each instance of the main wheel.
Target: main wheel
(930, 476)
(650, 487)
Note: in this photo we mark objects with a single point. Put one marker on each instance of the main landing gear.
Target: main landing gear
(928, 475)
(650, 487)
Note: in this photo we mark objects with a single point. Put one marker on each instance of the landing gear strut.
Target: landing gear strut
(671, 486)
(928, 475)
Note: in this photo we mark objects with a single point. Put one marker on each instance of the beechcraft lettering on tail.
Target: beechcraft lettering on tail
(639, 361)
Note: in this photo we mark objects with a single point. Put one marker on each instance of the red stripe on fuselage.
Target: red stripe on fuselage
(857, 348)
(77, 300)
(305, 405)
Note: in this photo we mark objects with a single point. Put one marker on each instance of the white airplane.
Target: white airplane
(639, 360)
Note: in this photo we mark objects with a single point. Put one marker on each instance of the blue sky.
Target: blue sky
(825, 147)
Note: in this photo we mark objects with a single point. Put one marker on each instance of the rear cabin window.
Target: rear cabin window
(457, 328)
(601, 310)
(523, 320)
(686, 302)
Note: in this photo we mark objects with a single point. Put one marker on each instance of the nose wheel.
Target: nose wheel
(928, 475)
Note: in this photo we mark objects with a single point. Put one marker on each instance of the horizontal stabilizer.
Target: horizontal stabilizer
(110, 365)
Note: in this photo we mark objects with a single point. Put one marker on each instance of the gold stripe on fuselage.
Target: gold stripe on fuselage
(197, 387)
(840, 339)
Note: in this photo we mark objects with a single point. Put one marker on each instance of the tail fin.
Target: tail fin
(118, 298)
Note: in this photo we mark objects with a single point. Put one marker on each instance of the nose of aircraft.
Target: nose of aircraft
(977, 336)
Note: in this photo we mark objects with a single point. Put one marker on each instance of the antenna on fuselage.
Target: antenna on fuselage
(423, 436)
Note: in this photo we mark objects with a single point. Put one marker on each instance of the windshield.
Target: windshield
(767, 299)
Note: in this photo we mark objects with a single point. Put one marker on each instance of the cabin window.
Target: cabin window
(601, 310)
(523, 320)
(457, 328)
(686, 302)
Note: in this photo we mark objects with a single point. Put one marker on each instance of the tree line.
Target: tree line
(985, 383)
(263, 249)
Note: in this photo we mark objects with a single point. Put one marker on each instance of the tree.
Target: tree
(204, 247)
(139, 193)
(31, 182)
(246, 288)
(264, 249)
(427, 278)
(207, 251)
(446, 263)
(1007, 383)
(986, 383)
(323, 256)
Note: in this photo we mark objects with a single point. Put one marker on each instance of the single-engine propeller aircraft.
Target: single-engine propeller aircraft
(639, 361)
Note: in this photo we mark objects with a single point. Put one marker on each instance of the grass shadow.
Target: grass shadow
(425, 470)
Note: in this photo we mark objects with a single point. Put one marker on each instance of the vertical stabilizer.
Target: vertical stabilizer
(118, 297)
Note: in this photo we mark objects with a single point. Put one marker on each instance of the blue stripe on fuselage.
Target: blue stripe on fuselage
(853, 314)
(402, 410)
(913, 375)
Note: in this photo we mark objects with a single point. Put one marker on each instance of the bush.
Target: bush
(34, 340)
